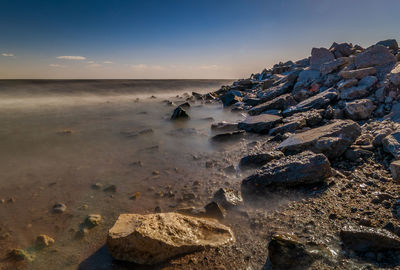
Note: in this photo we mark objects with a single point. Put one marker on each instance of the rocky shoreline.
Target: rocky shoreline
(330, 125)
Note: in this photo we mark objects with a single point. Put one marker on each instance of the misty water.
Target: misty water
(59, 138)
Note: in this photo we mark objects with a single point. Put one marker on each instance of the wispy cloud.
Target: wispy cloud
(141, 67)
(71, 57)
(90, 62)
(93, 65)
(107, 62)
(56, 65)
(7, 54)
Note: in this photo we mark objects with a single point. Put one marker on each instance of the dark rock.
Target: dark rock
(301, 169)
(394, 76)
(359, 109)
(275, 91)
(390, 43)
(224, 126)
(331, 66)
(215, 210)
(228, 198)
(258, 160)
(376, 55)
(59, 208)
(110, 188)
(358, 73)
(228, 136)
(332, 139)
(341, 50)
(318, 101)
(359, 91)
(364, 239)
(231, 97)
(185, 105)
(197, 95)
(347, 84)
(320, 56)
(260, 123)
(252, 101)
(278, 103)
(391, 144)
(179, 113)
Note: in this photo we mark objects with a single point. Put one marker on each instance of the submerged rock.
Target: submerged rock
(301, 169)
(154, 238)
(228, 136)
(331, 140)
(258, 160)
(260, 123)
(179, 113)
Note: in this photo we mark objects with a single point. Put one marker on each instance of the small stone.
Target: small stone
(97, 186)
(157, 209)
(395, 169)
(20, 254)
(156, 172)
(135, 196)
(44, 241)
(92, 220)
(215, 210)
(59, 208)
(111, 188)
(179, 113)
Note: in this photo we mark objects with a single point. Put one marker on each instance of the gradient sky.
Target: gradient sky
(179, 38)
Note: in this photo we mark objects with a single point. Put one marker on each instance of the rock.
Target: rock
(231, 97)
(331, 140)
(228, 136)
(395, 169)
(359, 109)
(185, 105)
(260, 123)
(331, 66)
(224, 126)
(341, 50)
(320, 56)
(135, 133)
(380, 135)
(197, 95)
(364, 239)
(154, 238)
(258, 160)
(20, 254)
(318, 101)
(376, 55)
(179, 113)
(285, 251)
(278, 103)
(347, 84)
(111, 188)
(368, 81)
(306, 78)
(302, 169)
(215, 210)
(391, 144)
(228, 198)
(59, 208)
(394, 76)
(275, 91)
(358, 73)
(359, 91)
(92, 221)
(44, 241)
(390, 43)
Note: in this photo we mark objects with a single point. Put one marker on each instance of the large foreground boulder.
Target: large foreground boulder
(260, 123)
(154, 238)
(332, 139)
(302, 169)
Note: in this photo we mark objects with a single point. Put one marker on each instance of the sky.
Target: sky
(178, 39)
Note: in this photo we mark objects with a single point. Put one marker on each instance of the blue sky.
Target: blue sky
(178, 38)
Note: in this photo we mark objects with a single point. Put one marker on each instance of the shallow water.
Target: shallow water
(54, 145)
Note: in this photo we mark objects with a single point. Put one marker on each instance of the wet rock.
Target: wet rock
(395, 169)
(260, 123)
(332, 139)
(285, 251)
(364, 239)
(197, 95)
(228, 136)
(301, 169)
(154, 238)
(215, 210)
(258, 160)
(391, 144)
(43, 241)
(179, 113)
(359, 109)
(228, 198)
(278, 103)
(59, 208)
(320, 56)
(223, 126)
(358, 73)
(185, 105)
(231, 97)
(390, 43)
(376, 55)
(92, 220)
(331, 66)
(318, 101)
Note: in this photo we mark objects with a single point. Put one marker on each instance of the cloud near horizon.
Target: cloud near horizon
(56, 65)
(7, 54)
(71, 57)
